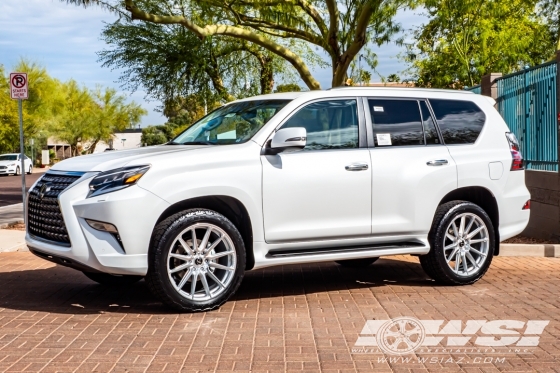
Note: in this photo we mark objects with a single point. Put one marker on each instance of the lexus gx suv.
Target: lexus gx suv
(345, 175)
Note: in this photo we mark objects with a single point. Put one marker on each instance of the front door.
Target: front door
(324, 190)
(411, 169)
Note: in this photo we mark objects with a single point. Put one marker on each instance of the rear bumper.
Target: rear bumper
(513, 220)
(134, 211)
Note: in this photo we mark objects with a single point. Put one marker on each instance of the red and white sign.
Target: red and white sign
(18, 86)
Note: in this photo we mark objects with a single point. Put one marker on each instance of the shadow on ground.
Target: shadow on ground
(62, 290)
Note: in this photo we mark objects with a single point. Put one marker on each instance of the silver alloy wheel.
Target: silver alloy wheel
(201, 262)
(466, 244)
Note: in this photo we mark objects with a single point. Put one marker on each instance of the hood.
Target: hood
(118, 158)
(5, 163)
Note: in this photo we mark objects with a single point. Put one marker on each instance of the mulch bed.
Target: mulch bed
(17, 227)
(531, 241)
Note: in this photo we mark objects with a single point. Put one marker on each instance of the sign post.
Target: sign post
(19, 91)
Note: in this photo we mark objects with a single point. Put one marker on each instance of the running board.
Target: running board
(286, 253)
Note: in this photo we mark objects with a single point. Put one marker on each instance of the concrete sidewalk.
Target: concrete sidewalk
(11, 214)
(12, 240)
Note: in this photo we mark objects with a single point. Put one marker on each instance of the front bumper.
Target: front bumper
(134, 211)
(9, 170)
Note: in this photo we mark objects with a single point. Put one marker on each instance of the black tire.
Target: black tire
(165, 235)
(357, 263)
(30, 170)
(107, 279)
(435, 264)
(17, 173)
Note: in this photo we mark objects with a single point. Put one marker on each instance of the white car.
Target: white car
(10, 164)
(345, 175)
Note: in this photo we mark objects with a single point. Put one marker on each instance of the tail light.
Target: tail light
(527, 205)
(517, 157)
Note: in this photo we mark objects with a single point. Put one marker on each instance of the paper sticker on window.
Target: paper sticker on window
(384, 139)
(378, 108)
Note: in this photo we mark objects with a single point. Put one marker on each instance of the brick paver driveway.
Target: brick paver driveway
(300, 318)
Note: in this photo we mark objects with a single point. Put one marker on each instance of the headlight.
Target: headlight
(120, 178)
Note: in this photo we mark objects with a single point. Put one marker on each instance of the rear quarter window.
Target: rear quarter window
(460, 122)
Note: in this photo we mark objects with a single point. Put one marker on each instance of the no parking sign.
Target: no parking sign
(18, 86)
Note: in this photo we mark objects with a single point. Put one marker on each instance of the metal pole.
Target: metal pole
(22, 156)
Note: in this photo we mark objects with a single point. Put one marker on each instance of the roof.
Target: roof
(388, 88)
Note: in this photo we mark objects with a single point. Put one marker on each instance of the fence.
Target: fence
(527, 102)
(476, 89)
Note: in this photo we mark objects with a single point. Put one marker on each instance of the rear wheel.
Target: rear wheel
(197, 260)
(112, 280)
(357, 263)
(462, 244)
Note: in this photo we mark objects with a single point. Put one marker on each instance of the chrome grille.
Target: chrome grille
(43, 212)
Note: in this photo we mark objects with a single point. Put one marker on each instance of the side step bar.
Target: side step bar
(285, 253)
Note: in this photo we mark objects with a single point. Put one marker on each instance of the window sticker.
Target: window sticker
(378, 108)
(384, 139)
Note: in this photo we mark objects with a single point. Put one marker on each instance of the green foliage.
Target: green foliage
(290, 87)
(64, 110)
(156, 135)
(340, 29)
(465, 39)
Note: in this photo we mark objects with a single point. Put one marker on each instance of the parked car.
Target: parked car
(10, 164)
(346, 175)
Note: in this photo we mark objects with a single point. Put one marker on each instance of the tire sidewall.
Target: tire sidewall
(161, 251)
(437, 234)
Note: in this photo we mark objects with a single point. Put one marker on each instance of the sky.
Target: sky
(64, 39)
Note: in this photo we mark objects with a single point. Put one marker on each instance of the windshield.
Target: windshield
(231, 124)
(8, 157)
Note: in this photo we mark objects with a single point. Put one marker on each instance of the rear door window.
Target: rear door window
(460, 122)
(396, 122)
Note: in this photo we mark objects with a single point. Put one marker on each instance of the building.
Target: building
(127, 139)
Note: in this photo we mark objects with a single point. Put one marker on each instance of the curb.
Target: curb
(543, 250)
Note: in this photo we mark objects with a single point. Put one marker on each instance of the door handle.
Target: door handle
(438, 162)
(357, 167)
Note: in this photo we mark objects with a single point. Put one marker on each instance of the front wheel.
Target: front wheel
(18, 171)
(30, 170)
(196, 261)
(107, 279)
(462, 244)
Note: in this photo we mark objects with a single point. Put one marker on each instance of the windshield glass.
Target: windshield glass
(231, 124)
(8, 157)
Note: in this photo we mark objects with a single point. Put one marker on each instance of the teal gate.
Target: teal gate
(527, 102)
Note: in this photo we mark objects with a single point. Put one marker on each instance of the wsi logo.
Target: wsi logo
(404, 335)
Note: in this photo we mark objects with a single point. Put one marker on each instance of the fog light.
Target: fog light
(101, 226)
(527, 205)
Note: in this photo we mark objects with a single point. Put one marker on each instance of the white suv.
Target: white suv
(345, 175)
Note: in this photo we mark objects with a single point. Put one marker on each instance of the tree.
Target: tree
(340, 28)
(170, 62)
(111, 114)
(465, 39)
(291, 87)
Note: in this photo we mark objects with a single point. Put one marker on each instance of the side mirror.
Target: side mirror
(289, 138)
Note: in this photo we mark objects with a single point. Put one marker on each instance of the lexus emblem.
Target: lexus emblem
(45, 188)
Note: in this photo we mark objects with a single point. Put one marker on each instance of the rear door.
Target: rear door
(411, 169)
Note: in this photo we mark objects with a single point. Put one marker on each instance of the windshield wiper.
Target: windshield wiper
(198, 143)
(173, 143)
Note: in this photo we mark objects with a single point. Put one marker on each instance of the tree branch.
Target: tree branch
(233, 31)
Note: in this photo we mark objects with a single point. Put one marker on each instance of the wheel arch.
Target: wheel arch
(483, 198)
(228, 206)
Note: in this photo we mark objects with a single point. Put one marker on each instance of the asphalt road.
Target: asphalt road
(10, 188)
